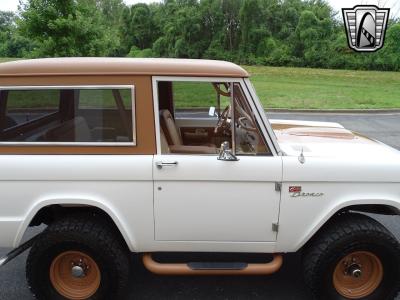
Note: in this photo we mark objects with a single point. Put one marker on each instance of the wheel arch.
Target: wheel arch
(46, 211)
(381, 207)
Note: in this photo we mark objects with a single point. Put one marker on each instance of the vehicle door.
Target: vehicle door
(229, 196)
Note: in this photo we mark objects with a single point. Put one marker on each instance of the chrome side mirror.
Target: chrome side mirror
(225, 153)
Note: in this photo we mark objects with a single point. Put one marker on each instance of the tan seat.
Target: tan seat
(164, 144)
(172, 130)
(175, 143)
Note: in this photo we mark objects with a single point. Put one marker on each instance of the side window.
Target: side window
(196, 118)
(188, 115)
(22, 109)
(67, 115)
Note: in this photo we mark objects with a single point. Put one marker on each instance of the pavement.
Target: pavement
(284, 285)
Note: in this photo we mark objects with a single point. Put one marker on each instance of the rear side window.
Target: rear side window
(88, 115)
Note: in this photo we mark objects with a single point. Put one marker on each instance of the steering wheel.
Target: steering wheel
(223, 122)
(245, 120)
(245, 123)
(220, 91)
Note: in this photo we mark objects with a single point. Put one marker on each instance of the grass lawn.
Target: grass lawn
(326, 89)
(304, 88)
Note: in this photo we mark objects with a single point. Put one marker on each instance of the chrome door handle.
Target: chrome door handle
(161, 164)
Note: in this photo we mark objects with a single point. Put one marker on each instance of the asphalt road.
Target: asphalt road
(285, 285)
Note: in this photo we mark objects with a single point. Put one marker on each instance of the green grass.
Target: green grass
(196, 95)
(325, 89)
(301, 88)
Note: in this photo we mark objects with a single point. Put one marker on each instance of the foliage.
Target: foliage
(66, 28)
(304, 33)
(12, 43)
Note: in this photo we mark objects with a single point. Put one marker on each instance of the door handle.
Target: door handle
(161, 164)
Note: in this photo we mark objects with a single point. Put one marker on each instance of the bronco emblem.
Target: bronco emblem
(365, 27)
(301, 194)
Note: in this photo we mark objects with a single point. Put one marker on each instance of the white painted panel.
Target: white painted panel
(122, 186)
(76, 167)
(342, 183)
(8, 231)
(204, 199)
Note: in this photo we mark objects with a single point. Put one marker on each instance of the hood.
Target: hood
(326, 139)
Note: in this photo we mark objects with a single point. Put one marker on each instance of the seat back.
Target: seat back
(171, 130)
(164, 144)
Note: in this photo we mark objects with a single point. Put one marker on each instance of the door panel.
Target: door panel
(198, 131)
(203, 199)
(197, 136)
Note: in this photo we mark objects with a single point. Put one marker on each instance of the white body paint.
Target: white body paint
(202, 204)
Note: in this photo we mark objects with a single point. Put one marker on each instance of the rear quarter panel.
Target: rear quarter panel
(121, 185)
(117, 179)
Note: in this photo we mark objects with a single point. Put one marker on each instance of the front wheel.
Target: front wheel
(77, 258)
(354, 257)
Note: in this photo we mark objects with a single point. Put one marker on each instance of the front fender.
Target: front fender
(302, 218)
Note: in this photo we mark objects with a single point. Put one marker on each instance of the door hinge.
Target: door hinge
(278, 186)
(275, 227)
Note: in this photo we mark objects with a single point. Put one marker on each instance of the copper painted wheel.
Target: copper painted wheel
(358, 275)
(75, 275)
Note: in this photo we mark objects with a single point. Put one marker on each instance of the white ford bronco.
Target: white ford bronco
(105, 152)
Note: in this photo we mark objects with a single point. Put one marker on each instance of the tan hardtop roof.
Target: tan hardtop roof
(121, 66)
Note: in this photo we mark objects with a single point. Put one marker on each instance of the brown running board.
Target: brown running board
(212, 268)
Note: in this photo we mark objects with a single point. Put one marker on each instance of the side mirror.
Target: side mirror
(225, 153)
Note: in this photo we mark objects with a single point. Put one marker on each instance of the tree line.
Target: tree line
(303, 33)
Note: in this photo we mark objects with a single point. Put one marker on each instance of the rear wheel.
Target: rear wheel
(354, 257)
(79, 257)
(75, 275)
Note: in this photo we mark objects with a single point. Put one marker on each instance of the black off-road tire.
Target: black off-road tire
(88, 234)
(349, 233)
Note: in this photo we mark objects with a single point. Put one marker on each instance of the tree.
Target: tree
(66, 28)
(11, 43)
(389, 58)
(137, 27)
(273, 32)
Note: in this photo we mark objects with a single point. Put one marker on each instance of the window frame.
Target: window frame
(77, 87)
(264, 128)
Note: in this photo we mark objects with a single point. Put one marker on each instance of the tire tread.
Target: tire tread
(71, 228)
(345, 226)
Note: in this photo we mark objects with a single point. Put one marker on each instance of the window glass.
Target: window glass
(188, 117)
(248, 137)
(189, 95)
(189, 126)
(97, 115)
(25, 107)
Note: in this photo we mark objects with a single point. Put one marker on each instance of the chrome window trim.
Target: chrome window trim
(233, 121)
(156, 79)
(80, 87)
(269, 132)
(264, 124)
(266, 140)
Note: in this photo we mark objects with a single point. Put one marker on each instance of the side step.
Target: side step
(217, 268)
